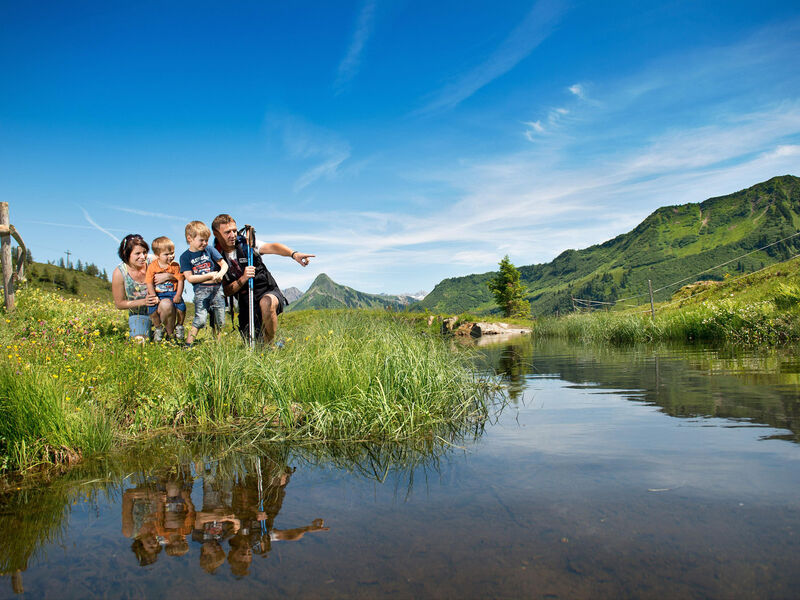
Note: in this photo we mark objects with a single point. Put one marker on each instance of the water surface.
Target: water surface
(612, 473)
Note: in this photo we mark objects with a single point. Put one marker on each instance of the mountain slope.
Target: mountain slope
(672, 243)
(326, 293)
(292, 294)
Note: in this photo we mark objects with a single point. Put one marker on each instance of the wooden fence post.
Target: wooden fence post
(652, 305)
(5, 257)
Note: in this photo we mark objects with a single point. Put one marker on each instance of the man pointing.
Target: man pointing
(268, 298)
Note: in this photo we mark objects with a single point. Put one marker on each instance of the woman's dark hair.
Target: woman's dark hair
(128, 243)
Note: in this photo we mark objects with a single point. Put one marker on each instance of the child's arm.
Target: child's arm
(149, 279)
(179, 290)
(192, 278)
(223, 268)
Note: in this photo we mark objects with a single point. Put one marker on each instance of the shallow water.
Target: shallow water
(635, 473)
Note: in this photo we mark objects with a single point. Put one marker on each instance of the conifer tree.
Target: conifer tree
(508, 291)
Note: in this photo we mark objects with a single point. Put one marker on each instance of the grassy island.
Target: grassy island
(73, 385)
(759, 308)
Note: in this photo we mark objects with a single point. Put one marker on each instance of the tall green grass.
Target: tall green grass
(71, 384)
(763, 308)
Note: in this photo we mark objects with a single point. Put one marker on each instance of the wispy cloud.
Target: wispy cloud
(98, 227)
(533, 128)
(305, 142)
(536, 129)
(328, 168)
(577, 90)
(147, 213)
(532, 31)
(69, 226)
(351, 62)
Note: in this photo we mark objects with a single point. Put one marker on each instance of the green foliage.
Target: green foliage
(509, 293)
(787, 295)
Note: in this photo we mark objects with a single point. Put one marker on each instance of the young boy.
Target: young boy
(167, 292)
(204, 268)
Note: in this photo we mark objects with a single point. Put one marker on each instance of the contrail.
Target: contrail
(96, 226)
(66, 225)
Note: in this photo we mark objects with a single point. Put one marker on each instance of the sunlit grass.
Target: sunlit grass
(72, 384)
(763, 308)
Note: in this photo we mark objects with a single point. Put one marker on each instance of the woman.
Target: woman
(128, 285)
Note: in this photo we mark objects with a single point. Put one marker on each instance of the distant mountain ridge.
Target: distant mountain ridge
(292, 294)
(674, 242)
(326, 293)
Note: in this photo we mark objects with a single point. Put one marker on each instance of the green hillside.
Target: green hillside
(70, 283)
(326, 293)
(755, 309)
(672, 243)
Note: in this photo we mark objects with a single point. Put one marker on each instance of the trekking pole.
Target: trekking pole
(261, 496)
(250, 233)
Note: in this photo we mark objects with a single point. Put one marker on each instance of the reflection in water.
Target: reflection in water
(238, 510)
(238, 496)
(759, 386)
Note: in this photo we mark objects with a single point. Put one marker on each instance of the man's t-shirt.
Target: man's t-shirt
(201, 263)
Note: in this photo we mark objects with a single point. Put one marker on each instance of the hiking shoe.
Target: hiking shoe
(179, 332)
(158, 334)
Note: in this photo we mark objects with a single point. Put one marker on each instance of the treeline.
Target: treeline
(58, 273)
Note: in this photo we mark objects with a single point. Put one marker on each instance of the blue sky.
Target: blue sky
(402, 142)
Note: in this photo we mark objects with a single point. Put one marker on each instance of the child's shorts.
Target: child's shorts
(209, 298)
(139, 326)
(171, 295)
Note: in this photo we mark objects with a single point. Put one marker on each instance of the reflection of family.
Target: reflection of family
(152, 290)
(160, 515)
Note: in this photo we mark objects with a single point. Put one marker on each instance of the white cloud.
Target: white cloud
(351, 62)
(534, 127)
(577, 90)
(306, 142)
(70, 226)
(328, 168)
(532, 31)
(147, 213)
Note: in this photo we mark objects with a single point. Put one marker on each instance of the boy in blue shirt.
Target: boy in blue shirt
(203, 266)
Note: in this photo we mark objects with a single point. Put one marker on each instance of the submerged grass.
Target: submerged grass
(762, 308)
(71, 384)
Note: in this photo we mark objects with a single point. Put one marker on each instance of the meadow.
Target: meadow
(761, 308)
(72, 385)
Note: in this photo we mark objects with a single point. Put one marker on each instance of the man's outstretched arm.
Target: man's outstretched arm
(283, 250)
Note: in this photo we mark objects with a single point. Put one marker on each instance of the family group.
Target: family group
(151, 288)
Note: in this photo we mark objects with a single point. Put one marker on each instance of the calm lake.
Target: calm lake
(648, 472)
